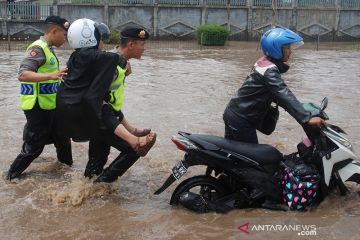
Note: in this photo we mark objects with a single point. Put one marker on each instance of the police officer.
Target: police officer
(119, 134)
(40, 76)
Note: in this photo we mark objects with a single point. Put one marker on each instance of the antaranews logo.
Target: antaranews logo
(244, 228)
(299, 229)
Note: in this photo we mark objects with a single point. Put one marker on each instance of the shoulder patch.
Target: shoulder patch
(34, 52)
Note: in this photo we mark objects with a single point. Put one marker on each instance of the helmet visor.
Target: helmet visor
(103, 30)
(296, 45)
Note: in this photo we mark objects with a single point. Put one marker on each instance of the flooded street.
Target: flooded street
(176, 86)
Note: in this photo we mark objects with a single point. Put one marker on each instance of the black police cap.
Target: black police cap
(62, 22)
(135, 33)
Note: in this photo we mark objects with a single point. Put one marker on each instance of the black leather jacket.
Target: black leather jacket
(263, 86)
(80, 96)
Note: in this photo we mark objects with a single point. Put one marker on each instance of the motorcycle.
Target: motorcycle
(242, 175)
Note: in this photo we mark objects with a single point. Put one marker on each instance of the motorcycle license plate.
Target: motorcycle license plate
(179, 170)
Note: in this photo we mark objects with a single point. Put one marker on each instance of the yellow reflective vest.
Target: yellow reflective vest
(117, 90)
(44, 91)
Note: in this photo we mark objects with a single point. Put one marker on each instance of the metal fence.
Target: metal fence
(216, 2)
(162, 2)
(179, 2)
(86, 1)
(3, 10)
(317, 3)
(25, 10)
(350, 4)
(114, 2)
(256, 3)
(269, 3)
(39, 11)
(263, 3)
(309, 3)
(238, 2)
(225, 2)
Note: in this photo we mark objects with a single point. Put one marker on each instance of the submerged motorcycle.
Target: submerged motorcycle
(242, 175)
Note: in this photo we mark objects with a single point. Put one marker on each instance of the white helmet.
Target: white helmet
(81, 34)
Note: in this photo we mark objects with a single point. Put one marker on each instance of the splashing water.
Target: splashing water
(78, 190)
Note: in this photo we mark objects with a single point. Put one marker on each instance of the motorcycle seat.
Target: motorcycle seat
(261, 153)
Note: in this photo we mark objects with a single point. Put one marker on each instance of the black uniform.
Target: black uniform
(99, 147)
(38, 132)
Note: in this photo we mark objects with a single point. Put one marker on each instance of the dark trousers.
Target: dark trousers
(38, 132)
(99, 149)
(239, 129)
(247, 135)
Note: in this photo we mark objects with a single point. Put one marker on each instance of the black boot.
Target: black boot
(106, 177)
(63, 150)
(11, 174)
(117, 168)
(98, 156)
(93, 168)
(67, 161)
(23, 160)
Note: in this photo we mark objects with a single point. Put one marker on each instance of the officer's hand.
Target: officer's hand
(58, 75)
(316, 121)
(128, 69)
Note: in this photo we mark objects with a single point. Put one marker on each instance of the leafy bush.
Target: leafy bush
(212, 34)
(114, 37)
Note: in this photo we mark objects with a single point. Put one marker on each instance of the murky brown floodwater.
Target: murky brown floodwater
(176, 86)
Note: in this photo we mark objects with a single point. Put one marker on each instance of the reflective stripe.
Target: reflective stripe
(48, 88)
(114, 87)
(27, 89)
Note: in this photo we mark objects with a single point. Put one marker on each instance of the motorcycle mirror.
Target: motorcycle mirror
(324, 103)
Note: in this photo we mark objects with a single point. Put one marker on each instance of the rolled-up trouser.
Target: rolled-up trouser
(38, 132)
(99, 149)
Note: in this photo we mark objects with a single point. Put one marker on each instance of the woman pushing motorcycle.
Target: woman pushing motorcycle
(250, 108)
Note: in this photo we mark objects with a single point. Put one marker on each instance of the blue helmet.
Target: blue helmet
(274, 39)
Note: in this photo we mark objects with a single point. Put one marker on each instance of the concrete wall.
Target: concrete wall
(73, 12)
(130, 16)
(180, 21)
